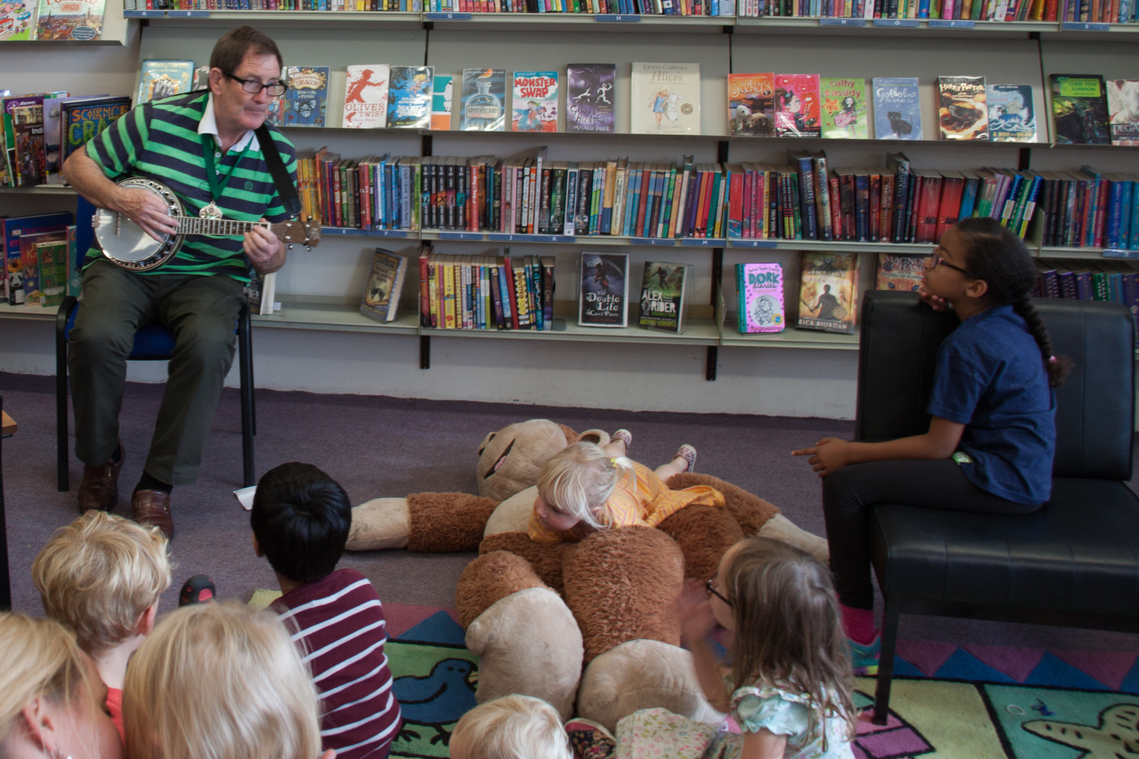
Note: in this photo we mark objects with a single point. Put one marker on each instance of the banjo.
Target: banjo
(127, 245)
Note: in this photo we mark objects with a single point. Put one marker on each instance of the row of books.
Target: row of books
(51, 20)
(639, 7)
(1087, 280)
(38, 256)
(1099, 11)
(38, 132)
(529, 194)
(1087, 209)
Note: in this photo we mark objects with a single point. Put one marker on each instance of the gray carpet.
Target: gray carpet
(379, 446)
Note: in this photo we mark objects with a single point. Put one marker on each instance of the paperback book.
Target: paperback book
(899, 273)
(797, 107)
(162, 78)
(535, 103)
(1123, 107)
(961, 110)
(483, 106)
(306, 100)
(70, 19)
(441, 97)
(751, 105)
(409, 97)
(846, 112)
(1012, 117)
(385, 283)
(366, 96)
(15, 228)
(662, 296)
(759, 295)
(52, 260)
(828, 291)
(30, 158)
(17, 20)
(589, 97)
(201, 80)
(665, 98)
(897, 111)
(604, 300)
(1079, 110)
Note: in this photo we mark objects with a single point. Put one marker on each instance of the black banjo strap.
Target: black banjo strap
(285, 188)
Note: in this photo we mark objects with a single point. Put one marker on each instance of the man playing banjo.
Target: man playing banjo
(202, 146)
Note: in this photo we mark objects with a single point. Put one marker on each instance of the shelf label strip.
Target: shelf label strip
(652, 241)
(461, 236)
(511, 237)
(754, 244)
(617, 17)
(1120, 253)
(945, 23)
(1084, 26)
(828, 21)
(897, 22)
(447, 16)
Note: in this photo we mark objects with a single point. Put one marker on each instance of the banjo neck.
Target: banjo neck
(192, 225)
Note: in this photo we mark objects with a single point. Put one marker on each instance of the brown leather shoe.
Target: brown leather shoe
(100, 486)
(152, 507)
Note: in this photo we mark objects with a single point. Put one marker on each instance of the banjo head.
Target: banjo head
(125, 244)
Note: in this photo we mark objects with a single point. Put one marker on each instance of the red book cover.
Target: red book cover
(846, 195)
(424, 292)
(736, 201)
(875, 206)
(839, 231)
(928, 207)
(336, 204)
(759, 205)
(952, 185)
(642, 201)
(887, 207)
(511, 293)
(748, 230)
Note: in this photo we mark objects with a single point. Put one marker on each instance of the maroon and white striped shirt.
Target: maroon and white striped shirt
(338, 623)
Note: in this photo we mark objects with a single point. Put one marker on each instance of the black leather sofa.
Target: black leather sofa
(1075, 561)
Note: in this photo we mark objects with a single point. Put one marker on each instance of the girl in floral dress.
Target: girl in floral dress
(790, 686)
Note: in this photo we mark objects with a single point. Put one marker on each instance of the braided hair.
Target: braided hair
(997, 256)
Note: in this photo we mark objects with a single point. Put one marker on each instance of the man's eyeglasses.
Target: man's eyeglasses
(936, 260)
(254, 87)
(710, 587)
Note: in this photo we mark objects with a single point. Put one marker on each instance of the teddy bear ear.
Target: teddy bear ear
(486, 442)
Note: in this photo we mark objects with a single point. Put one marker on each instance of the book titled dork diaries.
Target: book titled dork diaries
(662, 296)
(759, 293)
(604, 300)
(589, 97)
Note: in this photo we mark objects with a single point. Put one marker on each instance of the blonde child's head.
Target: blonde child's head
(220, 680)
(577, 482)
(42, 662)
(511, 727)
(786, 622)
(99, 575)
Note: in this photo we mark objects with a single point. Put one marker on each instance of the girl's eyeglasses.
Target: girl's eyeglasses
(936, 260)
(708, 586)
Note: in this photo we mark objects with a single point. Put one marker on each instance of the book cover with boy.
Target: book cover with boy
(483, 101)
(663, 289)
(1012, 117)
(589, 97)
(751, 105)
(759, 292)
(961, 110)
(534, 107)
(828, 291)
(665, 98)
(846, 113)
(1123, 108)
(797, 107)
(897, 110)
(306, 100)
(604, 300)
(899, 273)
(1079, 110)
(366, 96)
(409, 97)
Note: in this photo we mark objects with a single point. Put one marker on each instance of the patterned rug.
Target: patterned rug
(951, 702)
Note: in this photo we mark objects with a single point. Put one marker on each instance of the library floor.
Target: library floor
(381, 446)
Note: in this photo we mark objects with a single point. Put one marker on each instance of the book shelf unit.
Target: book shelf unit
(320, 290)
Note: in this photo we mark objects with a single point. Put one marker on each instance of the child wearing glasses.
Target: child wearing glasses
(789, 689)
(992, 433)
(588, 487)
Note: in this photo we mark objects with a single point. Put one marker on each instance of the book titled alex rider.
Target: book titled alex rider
(1079, 109)
(828, 291)
(759, 291)
(1012, 115)
(751, 105)
(409, 97)
(961, 110)
(662, 296)
(385, 283)
(604, 300)
(589, 97)
(306, 100)
(897, 111)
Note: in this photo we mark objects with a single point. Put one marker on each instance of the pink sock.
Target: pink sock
(859, 624)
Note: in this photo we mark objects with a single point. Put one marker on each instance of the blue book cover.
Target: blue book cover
(969, 197)
(306, 100)
(482, 103)
(897, 110)
(1134, 244)
(1011, 115)
(409, 97)
(1114, 212)
(1125, 213)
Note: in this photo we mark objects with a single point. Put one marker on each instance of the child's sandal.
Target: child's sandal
(688, 453)
(625, 437)
(590, 740)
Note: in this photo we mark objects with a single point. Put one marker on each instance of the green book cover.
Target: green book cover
(52, 257)
(845, 112)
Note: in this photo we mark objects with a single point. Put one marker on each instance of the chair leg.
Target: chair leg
(62, 481)
(890, 618)
(252, 382)
(245, 362)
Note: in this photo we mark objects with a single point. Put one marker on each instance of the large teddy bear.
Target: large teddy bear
(536, 614)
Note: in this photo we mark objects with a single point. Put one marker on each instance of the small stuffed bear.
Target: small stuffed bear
(519, 601)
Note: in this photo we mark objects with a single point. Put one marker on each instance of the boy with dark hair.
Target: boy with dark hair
(300, 519)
